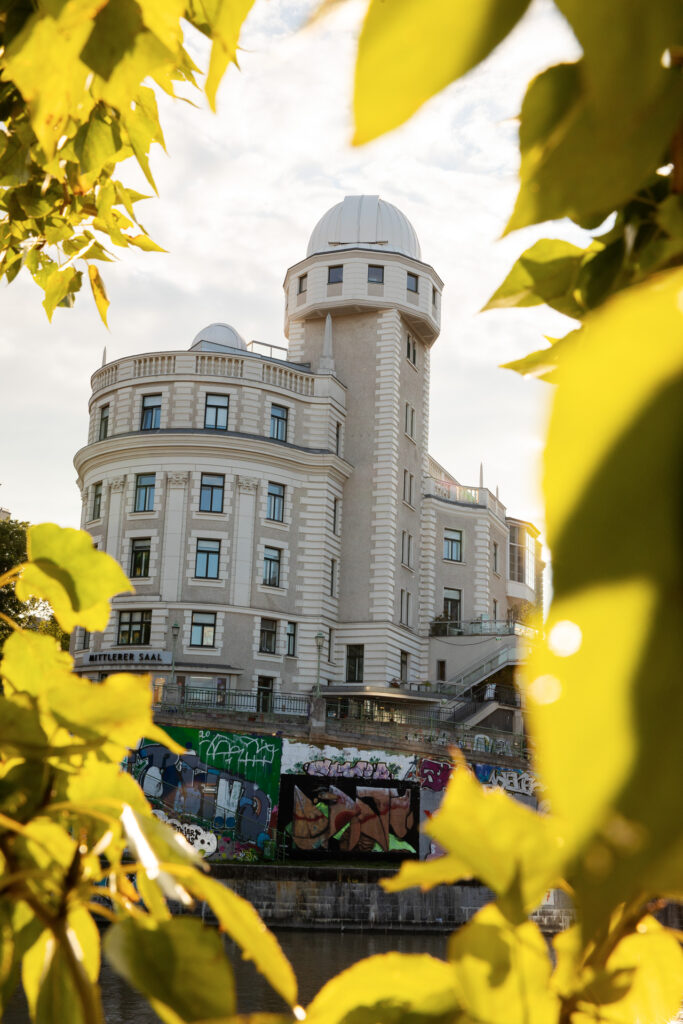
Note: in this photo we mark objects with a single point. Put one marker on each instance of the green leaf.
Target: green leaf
(600, 683)
(60, 285)
(545, 273)
(587, 143)
(224, 19)
(65, 569)
(238, 918)
(490, 836)
(179, 966)
(502, 972)
(411, 49)
(393, 986)
(99, 291)
(97, 143)
(599, 274)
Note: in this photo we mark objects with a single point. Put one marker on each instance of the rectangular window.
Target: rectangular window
(96, 501)
(404, 667)
(335, 514)
(203, 632)
(375, 274)
(408, 487)
(411, 282)
(278, 422)
(405, 608)
(303, 283)
(333, 573)
(441, 671)
(329, 643)
(407, 549)
(335, 275)
(144, 492)
(452, 604)
(522, 556)
(495, 557)
(411, 350)
(139, 557)
(211, 493)
(264, 694)
(83, 640)
(337, 439)
(410, 421)
(134, 628)
(151, 412)
(268, 636)
(216, 412)
(452, 545)
(291, 639)
(354, 663)
(206, 559)
(276, 502)
(495, 610)
(104, 423)
(271, 567)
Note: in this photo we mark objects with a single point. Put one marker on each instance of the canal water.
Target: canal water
(316, 956)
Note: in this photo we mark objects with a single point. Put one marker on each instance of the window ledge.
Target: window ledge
(408, 505)
(279, 524)
(210, 580)
(266, 588)
(410, 437)
(454, 561)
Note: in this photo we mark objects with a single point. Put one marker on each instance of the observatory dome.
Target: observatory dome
(364, 222)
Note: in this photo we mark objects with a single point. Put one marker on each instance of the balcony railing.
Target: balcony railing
(480, 627)
(230, 702)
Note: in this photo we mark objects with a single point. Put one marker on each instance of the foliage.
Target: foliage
(78, 840)
(31, 614)
(78, 95)
(601, 691)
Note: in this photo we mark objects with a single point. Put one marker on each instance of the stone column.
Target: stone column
(115, 516)
(243, 543)
(173, 546)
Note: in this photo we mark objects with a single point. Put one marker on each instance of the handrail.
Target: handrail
(177, 697)
(481, 627)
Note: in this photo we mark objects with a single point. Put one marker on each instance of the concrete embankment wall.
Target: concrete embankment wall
(338, 898)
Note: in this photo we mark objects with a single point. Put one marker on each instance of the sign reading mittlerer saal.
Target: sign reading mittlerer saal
(131, 657)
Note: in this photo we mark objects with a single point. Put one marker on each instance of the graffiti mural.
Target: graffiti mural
(345, 762)
(221, 793)
(347, 818)
(522, 785)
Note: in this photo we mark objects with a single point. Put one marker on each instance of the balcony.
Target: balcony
(237, 704)
(481, 627)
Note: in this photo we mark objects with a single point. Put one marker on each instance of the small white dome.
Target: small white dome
(364, 222)
(217, 336)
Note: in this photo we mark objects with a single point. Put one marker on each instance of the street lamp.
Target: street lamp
(319, 641)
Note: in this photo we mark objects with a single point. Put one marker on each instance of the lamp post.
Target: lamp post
(319, 641)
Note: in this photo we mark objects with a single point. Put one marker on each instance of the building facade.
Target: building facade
(277, 508)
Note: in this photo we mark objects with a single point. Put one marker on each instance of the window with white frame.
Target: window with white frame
(206, 560)
(278, 422)
(216, 412)
(405, 610)
(144, 492)
(452, 545)
(268, 636)
(134, 628)
(139, 557)
(452, 604)
(272, 558)
(151, 412)
(203, 629)
(211, 492)
(275, 506)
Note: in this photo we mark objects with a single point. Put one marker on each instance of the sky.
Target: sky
(240, 192)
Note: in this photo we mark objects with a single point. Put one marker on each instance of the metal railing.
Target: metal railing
(481, 627)
(228, 702)
(437, 726)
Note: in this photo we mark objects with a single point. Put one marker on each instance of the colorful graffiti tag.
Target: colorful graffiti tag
(346, 818)
(345, 763)
(221, 793)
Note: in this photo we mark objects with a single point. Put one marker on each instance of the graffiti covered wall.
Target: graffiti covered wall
(349, 817)
(345, 762)
(222, 793)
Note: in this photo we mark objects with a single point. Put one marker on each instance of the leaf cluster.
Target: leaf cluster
(78, 95)
(78, 841)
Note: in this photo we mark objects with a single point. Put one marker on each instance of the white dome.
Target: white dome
(217, 336)
(364, 222)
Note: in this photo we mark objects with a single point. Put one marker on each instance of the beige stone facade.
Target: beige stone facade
(258, 500)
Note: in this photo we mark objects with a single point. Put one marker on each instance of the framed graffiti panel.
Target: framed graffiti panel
(352, 818)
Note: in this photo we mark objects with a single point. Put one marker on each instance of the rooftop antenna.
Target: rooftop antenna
(481, 474)
(104, 355)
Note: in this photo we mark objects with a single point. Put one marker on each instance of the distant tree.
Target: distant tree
(31, 614)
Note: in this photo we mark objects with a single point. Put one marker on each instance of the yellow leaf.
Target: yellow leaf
(65, 569)
(225, 27)
(242, 923)
(502, 972)
(488, 835)
(99, 292)
(442, 870)
(390, 984)
(411, 49)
